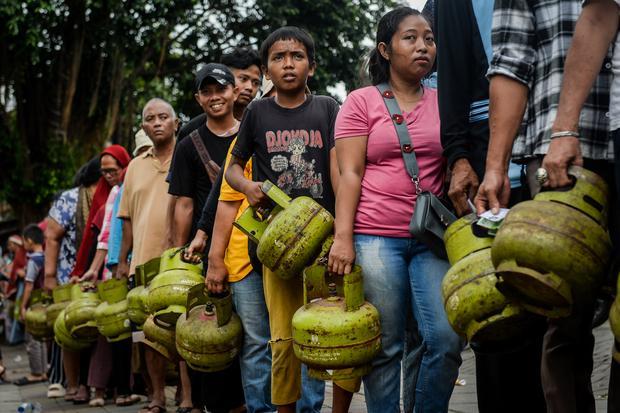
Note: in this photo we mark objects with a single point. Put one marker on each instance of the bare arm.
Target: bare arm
(334, 170)
(217, 272)
(182, 223)
(28, 286)
(508, 101)
(122, 270)
(53, 236)
(169, 242)
(595, 30)
(352, 164)
(95, 266)
(235, 178)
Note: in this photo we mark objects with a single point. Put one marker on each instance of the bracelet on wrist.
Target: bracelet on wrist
(564, 134)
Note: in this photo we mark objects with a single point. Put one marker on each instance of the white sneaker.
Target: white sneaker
(55, 390)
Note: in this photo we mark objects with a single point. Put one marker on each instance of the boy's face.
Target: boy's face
(216, 100)
(247, 81)
(28, 244)
(288, 66)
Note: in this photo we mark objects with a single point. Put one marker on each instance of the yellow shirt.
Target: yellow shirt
(237, 260)
(143, 202)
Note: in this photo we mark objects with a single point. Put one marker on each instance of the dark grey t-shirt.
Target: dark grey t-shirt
(291, 146)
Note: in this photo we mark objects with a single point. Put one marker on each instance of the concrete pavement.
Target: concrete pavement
(463, 399)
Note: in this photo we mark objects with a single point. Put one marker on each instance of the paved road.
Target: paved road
(463, 399)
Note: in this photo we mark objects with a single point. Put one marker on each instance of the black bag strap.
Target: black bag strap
(205, 157)
(406, 147)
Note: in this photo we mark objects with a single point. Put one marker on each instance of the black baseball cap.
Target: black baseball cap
(216, 71)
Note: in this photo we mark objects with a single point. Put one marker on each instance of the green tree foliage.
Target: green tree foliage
(74, 74)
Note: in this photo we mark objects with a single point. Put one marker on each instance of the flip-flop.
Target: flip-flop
(155, 408)
(22, 381)
(184, 410)
(127, 400)
(97, 402)
(147, 407)
(70, 396)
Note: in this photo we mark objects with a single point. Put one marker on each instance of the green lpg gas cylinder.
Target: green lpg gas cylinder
(64, 339)
(62, 297)
(474, 306)
(555, 249)
(290, 234)
(36, 316)
(167, 292)
(111, 315)
(80, 313)
(336, 333)
(209, 335)
(159, 335)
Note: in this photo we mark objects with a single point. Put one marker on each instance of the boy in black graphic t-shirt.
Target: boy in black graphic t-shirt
(291, 137)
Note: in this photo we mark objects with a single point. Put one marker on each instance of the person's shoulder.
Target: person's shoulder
(186, 144)
(325, 103)
(193, 124)
(258, 105)
(324, 100)
(430, 95)
(71, 193)
(365, 92)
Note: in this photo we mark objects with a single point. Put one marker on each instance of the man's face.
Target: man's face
(248, 82)
(110, 170)
(288, 65)
(158, 123)
(216, 100)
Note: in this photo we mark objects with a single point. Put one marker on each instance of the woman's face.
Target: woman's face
(413, 49)
(110, 170)
(11, 246)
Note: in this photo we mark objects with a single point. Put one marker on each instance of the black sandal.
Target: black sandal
(22, 381)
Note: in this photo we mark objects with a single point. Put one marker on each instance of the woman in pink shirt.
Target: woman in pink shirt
(374, 205)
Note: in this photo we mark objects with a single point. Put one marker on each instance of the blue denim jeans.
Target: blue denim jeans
(255, 357)
(401, 272)
(312, 393)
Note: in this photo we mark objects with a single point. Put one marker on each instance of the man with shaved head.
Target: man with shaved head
(144, 219)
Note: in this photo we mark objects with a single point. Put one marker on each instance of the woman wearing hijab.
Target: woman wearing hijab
(112, 160)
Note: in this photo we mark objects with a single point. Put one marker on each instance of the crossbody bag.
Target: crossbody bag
(211, 167)
(430, 216)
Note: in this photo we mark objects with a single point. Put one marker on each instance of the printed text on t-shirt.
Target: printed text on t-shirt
(296, 172)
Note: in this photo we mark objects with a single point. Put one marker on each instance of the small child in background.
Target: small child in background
(37, 351)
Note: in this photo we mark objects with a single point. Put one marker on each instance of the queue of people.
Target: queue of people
(504, 106)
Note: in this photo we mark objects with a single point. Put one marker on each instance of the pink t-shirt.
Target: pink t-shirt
(388, 194)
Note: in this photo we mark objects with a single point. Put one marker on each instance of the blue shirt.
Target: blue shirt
(116, 232)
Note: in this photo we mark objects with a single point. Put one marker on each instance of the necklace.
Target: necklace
(230, 131)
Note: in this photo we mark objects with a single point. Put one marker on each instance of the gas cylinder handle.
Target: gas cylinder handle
(196, 296)
(316, 286)
(138, 275)
(149, 270)
(354, 289)
(276, 194)
(223, 306)
(163, 324)
(39, 296)
(588, 193)
(182, 256)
